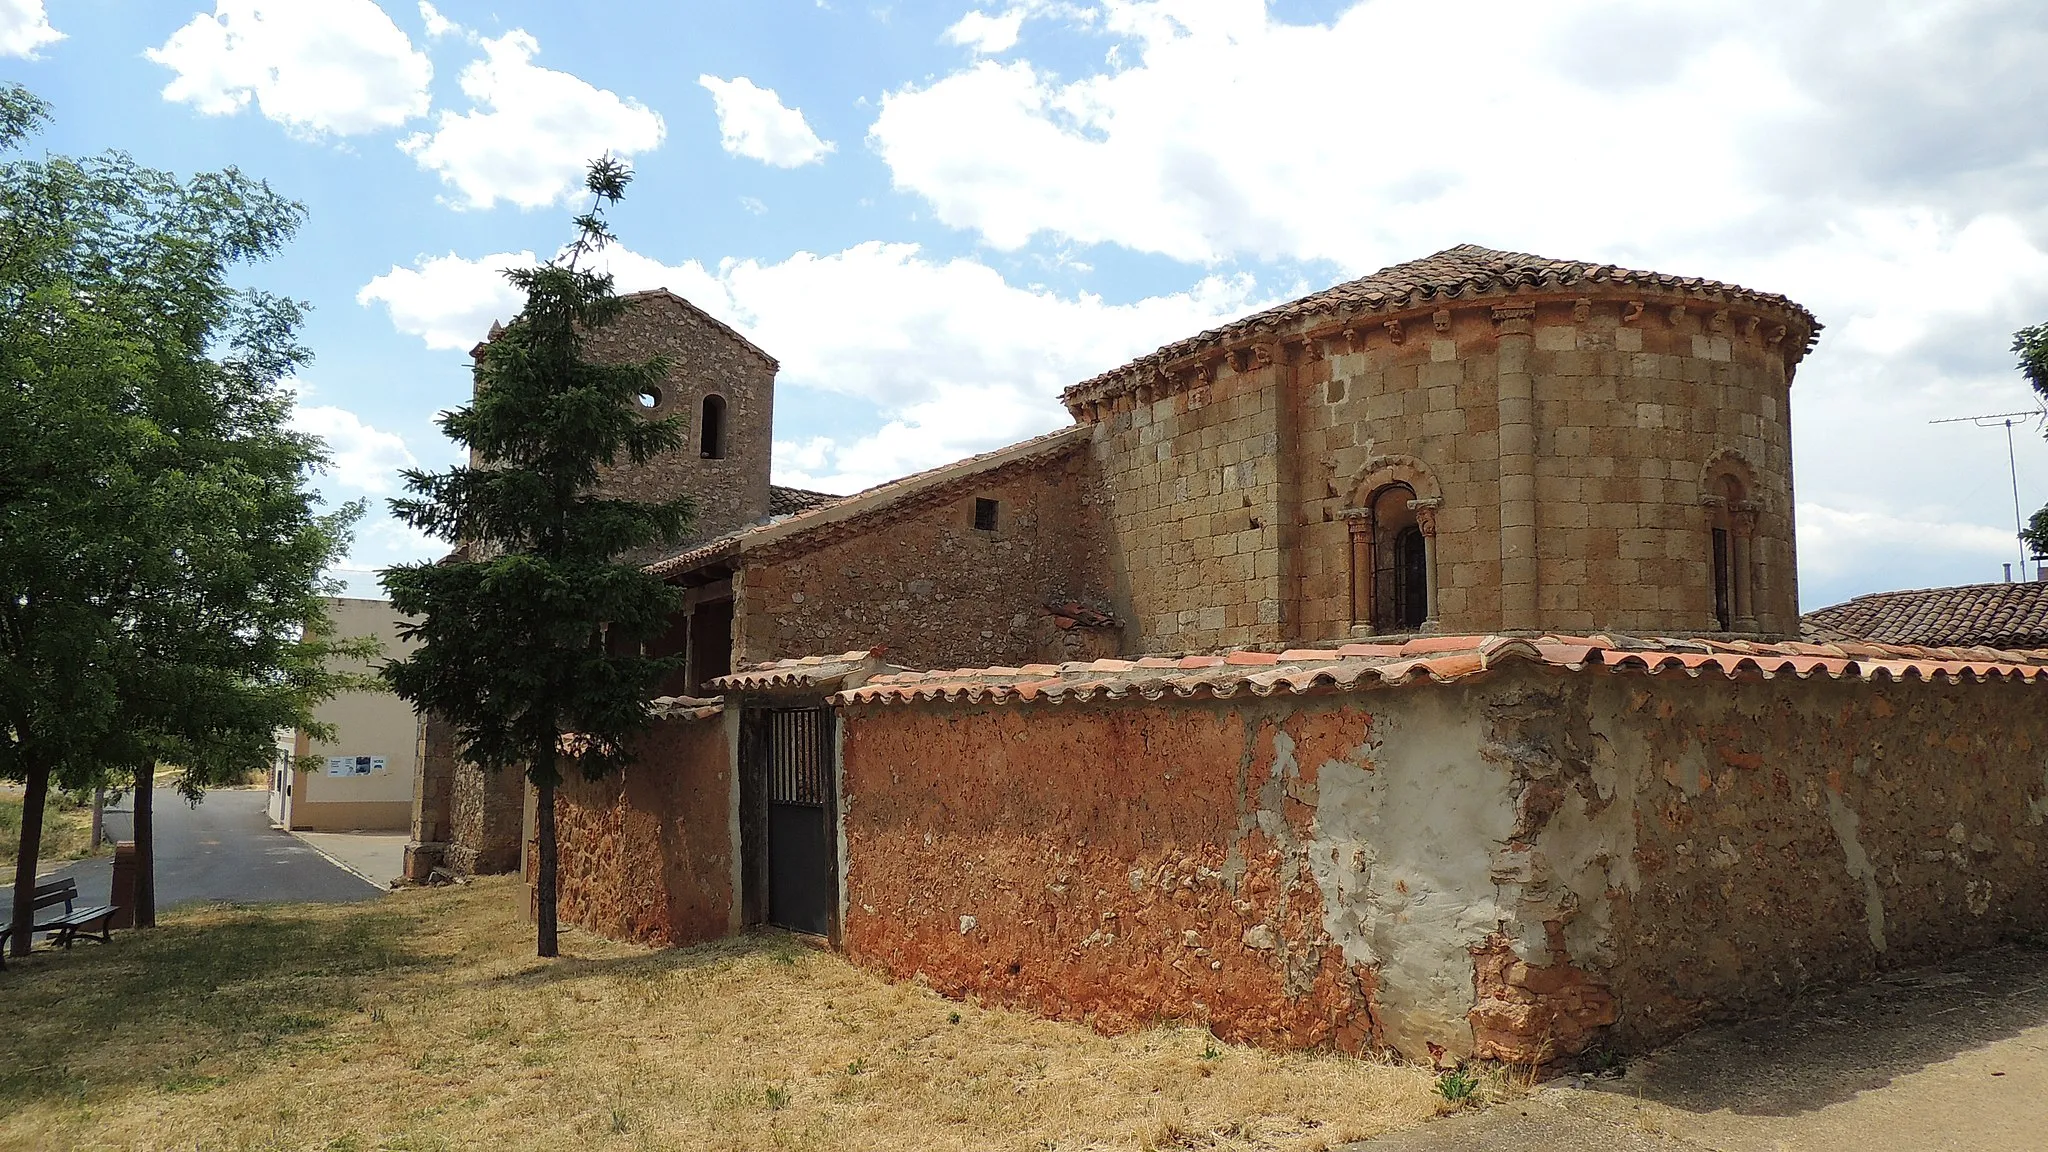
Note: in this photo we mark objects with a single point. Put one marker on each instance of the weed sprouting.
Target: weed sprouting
(1457, 1086)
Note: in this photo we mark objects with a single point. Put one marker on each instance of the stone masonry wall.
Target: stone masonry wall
(1195, 508)
(705, 358)
(938, 592)
(1563, 441)
(646, 854)
(484, 824)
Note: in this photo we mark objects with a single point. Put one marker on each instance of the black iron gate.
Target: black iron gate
(792, 768)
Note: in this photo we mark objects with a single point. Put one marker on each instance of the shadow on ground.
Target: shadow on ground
(145, 1010)
(1851, 1041)
(770, 942)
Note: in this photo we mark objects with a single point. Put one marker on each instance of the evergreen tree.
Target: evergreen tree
(531, 631)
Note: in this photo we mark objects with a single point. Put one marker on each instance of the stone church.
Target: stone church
(1475, 442)
(1412, 665)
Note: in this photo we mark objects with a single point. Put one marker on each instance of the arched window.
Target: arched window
(711, 429)
(1391, 561)
(1731, 531)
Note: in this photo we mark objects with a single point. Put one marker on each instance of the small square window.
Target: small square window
(985, 514)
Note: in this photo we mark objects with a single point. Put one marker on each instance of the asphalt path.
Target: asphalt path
(224, 849)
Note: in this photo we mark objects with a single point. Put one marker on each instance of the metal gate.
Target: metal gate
(794, 748)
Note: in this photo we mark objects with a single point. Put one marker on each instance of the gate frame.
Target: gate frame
(751, 805)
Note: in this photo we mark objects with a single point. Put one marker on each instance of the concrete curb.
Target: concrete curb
(381, 886)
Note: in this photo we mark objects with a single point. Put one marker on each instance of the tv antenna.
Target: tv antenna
(2008, 419)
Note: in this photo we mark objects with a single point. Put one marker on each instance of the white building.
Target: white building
(363, 780)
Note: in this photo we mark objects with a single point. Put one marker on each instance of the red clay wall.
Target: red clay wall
(646, 854)
(1522, 866)
(1118, 864)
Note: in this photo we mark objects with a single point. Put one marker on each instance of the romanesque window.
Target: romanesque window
(1391, 545)
(1731, 532)
(711, 429)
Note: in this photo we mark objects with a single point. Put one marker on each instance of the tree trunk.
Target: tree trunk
(145, 846)
(32, 803)
(544, 895)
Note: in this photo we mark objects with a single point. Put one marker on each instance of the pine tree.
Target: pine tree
(531, 631)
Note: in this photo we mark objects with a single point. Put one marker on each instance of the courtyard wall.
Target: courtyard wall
(1520, 865)
(646, 853)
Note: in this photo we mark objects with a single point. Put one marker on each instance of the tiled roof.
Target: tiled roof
(1438, 659)
(2011, 616)
(1465, 272)
(496, 328)
(686, 707)
(827, 673)
(848, 515)
(790, 501)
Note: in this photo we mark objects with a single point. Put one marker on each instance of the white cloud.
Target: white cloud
(364, 458)
(339, 67)
(958, 360)
(532, 130)
(437, 25)
(753, 122)
(987, 35)
(448, 301)
(25, 27)
(1838, 160)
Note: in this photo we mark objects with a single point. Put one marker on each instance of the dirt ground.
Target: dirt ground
(1950, 1058)
(421, 1020)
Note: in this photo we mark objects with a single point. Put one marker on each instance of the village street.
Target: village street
(1952, 1058)
(225, 849)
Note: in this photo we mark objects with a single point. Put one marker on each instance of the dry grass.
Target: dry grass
(67, 828)
(423, 1022)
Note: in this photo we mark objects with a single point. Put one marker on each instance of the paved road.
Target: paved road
(225, 849)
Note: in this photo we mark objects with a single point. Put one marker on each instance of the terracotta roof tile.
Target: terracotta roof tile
(1464, 272)
(2004, 616)
(848, 514)
(826, 673)
(1439, 659)
(687, 707)
(784, 501)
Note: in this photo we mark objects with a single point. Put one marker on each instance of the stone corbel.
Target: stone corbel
(1393, 328)
(1308, 351)
(1265, 354)
(1582, 310)
(1516, 311)
(1777, 336)
(1719, 321)
(1441, 319)
(1750, 328)
(1633, 312)
(1677, 315)
(1240, 360)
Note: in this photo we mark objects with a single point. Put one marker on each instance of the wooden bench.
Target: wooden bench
(75, 923)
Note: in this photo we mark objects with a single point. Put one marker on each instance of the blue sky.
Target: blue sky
(936, 215)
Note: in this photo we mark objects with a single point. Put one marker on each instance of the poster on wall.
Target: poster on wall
(354, 765)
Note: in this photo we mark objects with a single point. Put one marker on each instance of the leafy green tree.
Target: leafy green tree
(160, 550)
(2032, 346)
(534, 630)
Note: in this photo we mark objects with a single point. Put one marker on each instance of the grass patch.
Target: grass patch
(67, 827)
(423, 1021)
